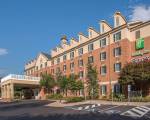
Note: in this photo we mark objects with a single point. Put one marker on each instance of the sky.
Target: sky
(28, 27)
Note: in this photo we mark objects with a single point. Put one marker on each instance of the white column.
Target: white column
(11, 91)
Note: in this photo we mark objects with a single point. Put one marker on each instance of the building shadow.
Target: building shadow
(88, 116)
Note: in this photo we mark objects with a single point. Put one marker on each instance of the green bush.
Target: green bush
(74, 99)
(146, 99)
(54, 96)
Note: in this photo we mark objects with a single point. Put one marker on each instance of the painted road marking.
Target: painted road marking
(93, 106)
(103, 110)
(79, 108)
(87, 108)
(137, 111)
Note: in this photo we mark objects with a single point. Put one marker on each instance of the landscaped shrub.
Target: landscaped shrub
(74, 99)
(54, 96)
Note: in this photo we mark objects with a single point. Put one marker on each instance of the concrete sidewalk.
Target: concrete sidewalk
(57, 103)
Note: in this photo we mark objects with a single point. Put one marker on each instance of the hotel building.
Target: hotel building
(109, 50)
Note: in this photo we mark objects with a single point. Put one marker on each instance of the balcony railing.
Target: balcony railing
(20, 77)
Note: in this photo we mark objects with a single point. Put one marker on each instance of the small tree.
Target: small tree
(92, 81)
(63, 84)
(74, 84)
(47, 81)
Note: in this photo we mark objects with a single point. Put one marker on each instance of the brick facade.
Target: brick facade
(126, 44)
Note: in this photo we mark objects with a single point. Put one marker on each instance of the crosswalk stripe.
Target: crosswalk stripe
(140, 108)
(138, 111)
(132, 113)
(145, 107)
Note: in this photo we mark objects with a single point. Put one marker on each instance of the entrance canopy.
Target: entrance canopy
(9, 82)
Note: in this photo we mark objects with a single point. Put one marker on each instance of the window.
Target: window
(117, 67)
(36, 67)
(71, 65)
(71, 55)
(90, 34)
(52, 71)
(58, 60)
(103, 70)
(103, 42)
(45, 64)
(117, 51)
(117, 21)
(57, 69)
(52, 62)
(64, 67)
(80, 63)
(90, 47)
(103, 90)
(117, 88)
(80, 51)
(117, 36)
(102, 28)
(41, 66)
(64, 57)
(91, 59)
(103, 56)
(137, 34)
(81, 74)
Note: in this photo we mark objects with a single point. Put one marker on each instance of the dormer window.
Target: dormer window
(90, 34)
(80, 38)
(117, 21)
(102, 28)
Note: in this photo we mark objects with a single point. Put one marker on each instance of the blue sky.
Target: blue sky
(30, 26)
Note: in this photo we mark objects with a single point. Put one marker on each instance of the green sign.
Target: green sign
(140, 43)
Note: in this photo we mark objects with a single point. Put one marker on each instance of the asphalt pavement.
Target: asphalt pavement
(37, 110)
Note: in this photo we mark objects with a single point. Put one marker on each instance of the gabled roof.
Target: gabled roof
(46, 55)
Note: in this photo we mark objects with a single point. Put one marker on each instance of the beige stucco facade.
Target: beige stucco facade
(9, 83)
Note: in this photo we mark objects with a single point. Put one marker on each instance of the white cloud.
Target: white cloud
(3, 51)
(140, 13)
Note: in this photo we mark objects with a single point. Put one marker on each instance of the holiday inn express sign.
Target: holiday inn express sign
(140, 43)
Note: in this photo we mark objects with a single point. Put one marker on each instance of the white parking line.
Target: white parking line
(109, 108)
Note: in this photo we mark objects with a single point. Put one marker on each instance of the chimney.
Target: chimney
(63, 40)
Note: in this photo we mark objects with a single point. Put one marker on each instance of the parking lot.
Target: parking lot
(123, 110)
(38, 110)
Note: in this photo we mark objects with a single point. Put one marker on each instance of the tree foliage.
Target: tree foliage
(92, 81)
(137, 74)
(47, 81)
